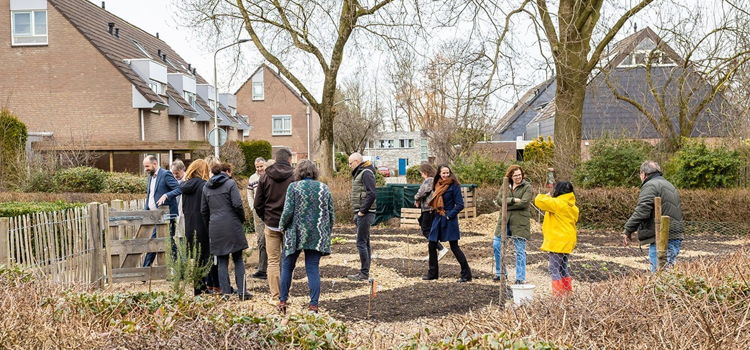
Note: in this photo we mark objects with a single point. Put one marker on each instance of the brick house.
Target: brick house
(624, 74)
(278, 113)
(82, 78)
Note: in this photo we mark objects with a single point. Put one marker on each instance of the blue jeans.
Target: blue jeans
(312, 263)
(150, 257)
(673, 249)
(520, 245)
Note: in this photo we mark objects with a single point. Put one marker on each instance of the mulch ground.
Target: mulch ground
(419, 300)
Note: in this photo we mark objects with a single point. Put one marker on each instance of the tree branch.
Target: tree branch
(613, 31)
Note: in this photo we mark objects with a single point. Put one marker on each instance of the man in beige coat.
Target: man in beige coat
(252, 184)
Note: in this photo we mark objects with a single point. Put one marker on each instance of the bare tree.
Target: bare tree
(684, 89)
(358, 118)
(449, 100)
(569, 33)
(286, 32)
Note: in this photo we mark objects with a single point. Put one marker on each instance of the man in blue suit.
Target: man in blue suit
(161, 188)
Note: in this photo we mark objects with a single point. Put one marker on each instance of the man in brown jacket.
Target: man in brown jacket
(269, 204)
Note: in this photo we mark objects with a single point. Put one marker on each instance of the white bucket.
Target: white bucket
(522, 293)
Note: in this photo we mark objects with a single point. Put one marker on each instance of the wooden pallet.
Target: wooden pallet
(410, 217)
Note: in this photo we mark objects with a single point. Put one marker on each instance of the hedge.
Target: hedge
(124, 183)
(79, 179)
(8, 209)
(13, 135)
(254, 149)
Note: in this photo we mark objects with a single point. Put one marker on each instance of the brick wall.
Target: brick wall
(278, 100)
(66, 87)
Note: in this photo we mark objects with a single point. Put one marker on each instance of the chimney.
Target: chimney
(117, 32)
(164, 57)
(194, 70)
(158, 53)
(190, 68)
(157, 35)
(103, 7)
(111, 26)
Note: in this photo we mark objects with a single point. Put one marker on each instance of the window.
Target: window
(640, 57)
(29, 27)
(157, 87)
(190, 98)
(282, 125)
(258, 91)
(232, 111)
(385, 143)
(406, 143)
(212, 104)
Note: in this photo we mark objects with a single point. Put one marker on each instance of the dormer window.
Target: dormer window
(190, 98)
(641, 57)
(29, 27)
(158, 87)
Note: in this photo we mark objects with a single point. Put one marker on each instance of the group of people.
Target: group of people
(293, 213)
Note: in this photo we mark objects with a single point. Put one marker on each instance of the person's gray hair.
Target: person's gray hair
(650, 167)
(283, 155)
(177, 165)
(151, 158)
(306, 169)
(260, 159)
(356, 156)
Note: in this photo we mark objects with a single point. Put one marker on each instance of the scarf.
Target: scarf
(437, 196)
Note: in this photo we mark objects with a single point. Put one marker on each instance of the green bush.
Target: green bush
(479, 169)
(79, 179)
(39, 181)
(9, 209)
(342, 164)
(123, 183)
(413, 175)
(253, 149)
(698, 166)
(613, 163)
(539, 151)
(13, 135)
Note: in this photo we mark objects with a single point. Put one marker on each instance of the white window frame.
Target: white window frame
(32, 24)
(282, 132)
(629, 61)
(158, 87)
(190, 98)
(262, 95)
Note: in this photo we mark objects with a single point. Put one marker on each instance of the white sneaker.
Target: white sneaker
(442, 253)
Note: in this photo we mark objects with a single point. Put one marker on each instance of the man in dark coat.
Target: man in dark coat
(364, 207)
(161, 188)
(270, 195)
(642, 220)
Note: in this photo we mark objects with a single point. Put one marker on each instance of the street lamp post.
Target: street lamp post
(216, 98)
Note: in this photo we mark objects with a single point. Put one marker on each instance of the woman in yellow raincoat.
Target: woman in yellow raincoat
(559, 230)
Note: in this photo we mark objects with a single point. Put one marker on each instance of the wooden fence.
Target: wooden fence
(62, 246)
(69, 246)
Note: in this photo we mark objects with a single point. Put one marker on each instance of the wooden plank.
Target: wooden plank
(408, 226)
(4, 241)
(95, 241)
(142, 217)
(139, 274)
(28, 261)
(138, 246)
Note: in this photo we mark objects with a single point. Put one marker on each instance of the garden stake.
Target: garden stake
(503, 232)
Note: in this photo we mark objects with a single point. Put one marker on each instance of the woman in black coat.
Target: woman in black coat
(196, 229)
(221, 207)
(447, 201)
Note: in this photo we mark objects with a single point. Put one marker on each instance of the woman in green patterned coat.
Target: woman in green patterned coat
(307, 221)
(519, 229)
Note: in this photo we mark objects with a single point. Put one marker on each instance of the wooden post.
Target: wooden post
(662, 237)
(503, 233)
(4, 239)
(104, 223)
(657, 215)
(95, 237)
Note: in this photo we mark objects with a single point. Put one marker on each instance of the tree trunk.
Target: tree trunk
(326, 141)
(569, 99)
